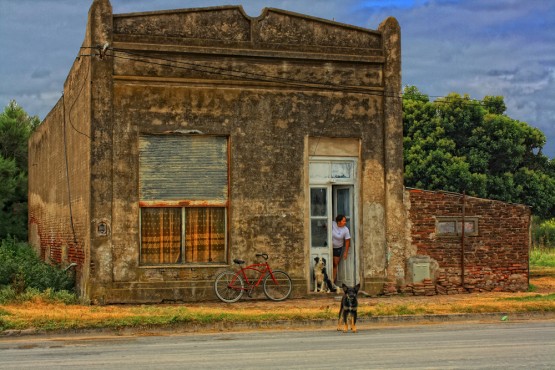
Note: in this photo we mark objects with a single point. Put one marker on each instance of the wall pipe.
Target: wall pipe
(462, 237)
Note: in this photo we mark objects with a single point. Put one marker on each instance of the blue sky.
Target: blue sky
(479, 47)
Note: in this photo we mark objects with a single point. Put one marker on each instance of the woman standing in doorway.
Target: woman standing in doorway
(341, 239)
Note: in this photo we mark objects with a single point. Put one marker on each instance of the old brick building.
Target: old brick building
(494, 242)
(187, 138)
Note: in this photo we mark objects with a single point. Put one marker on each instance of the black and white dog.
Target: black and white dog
(322, 282)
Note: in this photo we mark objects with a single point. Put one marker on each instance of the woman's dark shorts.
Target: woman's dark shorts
(337, 252)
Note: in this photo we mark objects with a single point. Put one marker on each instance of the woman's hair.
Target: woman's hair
(339, 217)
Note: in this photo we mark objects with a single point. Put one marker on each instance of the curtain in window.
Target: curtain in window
(160, 235)
(205, 235)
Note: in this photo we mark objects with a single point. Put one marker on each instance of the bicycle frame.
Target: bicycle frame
(230, 285)
(260, 268)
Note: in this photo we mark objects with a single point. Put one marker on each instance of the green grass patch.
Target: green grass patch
(396, 310)
(542, 257)
(9, 295)
(533, 298)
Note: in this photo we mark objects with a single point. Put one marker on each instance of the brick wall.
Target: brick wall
(496, 259)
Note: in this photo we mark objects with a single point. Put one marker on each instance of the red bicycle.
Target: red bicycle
(230, 286)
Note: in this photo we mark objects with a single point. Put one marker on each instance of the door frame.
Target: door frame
(330, 181)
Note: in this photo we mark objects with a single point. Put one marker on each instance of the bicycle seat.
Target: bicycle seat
(238, 261)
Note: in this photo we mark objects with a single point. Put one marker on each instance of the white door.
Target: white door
(332, 192)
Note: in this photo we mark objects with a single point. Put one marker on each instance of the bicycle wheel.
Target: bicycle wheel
(228, 286)
(279, 289)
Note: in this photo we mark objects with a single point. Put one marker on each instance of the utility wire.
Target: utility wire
(171, 63)
(66, 149)
(75, 101)
(242, 74)
(148, 59)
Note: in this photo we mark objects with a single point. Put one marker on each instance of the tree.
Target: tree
(459, 144)
(15, 128)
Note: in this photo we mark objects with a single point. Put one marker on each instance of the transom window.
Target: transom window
(183, 184)
(452, 226)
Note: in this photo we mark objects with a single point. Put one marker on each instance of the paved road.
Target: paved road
(529, 345)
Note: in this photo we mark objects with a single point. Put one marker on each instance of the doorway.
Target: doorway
(333, 192)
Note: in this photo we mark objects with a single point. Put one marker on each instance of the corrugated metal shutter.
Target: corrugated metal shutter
(182, 167)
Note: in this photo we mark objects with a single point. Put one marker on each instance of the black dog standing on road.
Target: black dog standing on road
(348, 311)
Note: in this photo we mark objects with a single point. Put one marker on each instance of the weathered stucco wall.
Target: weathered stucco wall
(267, 84)
(266, 120)
(59, 181)
(496, 259)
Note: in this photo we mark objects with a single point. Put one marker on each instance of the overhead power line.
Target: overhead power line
(252, 76)
(125, 54)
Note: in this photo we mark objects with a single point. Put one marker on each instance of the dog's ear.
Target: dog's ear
(344, 287)
(323, 259)
(357, 287)
(316, 259)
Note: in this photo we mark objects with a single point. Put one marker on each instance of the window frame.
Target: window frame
(183, 236)
(458, 229)
(183, 204)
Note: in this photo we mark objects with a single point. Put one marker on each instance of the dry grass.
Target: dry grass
(51, 316)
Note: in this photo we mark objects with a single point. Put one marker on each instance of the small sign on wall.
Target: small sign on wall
(102, 229)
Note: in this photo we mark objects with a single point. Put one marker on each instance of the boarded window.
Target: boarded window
(452, 226)
(183, 167)
(183, 184)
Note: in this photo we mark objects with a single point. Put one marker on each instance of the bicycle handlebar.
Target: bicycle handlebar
(263, 255)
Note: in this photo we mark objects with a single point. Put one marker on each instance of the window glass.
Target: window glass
(318, 202)
(319, 170)
(205, 234)
(343, 202)
(341, 170)
(319, 233)
(160, 236)
(453, 226)
(469, 227)
(446, 227)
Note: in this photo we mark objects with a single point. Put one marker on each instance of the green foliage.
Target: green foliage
(21, 269)
(7, 294)
(15, 128)
(543, 233)
(459, 144)
(542, 257)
